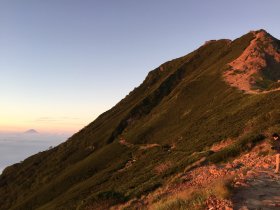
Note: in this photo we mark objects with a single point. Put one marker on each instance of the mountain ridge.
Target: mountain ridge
(180, 110)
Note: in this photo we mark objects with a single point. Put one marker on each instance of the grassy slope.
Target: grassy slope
(185, 102)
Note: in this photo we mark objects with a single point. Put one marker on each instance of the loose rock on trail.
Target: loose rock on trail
(262, 192)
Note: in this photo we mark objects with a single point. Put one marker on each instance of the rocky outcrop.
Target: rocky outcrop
(258, 66)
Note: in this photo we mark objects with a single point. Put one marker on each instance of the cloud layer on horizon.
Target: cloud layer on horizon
(17, 147)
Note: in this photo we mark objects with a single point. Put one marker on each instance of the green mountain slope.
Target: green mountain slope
(170, 120)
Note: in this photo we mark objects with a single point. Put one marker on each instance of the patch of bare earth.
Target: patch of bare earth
(221, 145)
(243, 71)
(148, 146)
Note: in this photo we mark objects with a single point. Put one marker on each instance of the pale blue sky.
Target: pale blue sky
(64, 62)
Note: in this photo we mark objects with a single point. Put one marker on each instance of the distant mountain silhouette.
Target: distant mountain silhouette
(225, 91)
(31, 131)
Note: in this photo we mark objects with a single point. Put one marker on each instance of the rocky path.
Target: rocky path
(261, 191)
(254, 184)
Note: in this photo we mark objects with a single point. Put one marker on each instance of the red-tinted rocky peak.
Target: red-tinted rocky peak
(257, 65)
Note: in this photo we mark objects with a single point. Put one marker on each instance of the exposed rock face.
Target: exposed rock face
(258, 66)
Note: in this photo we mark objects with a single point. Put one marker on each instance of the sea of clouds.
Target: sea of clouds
(15, 147)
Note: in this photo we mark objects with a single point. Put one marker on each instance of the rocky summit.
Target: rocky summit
(194, 135)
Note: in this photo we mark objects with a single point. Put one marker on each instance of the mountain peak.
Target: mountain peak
(259, 31)
(31, 131)
(257, 68)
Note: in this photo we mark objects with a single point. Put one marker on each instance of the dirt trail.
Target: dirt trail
(130, 162)
(122, 141)
(262, 192)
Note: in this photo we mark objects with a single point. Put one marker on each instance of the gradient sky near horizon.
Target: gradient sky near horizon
(64, 62)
